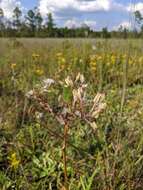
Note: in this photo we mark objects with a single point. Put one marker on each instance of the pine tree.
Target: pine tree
(2, 26)
(50, 25)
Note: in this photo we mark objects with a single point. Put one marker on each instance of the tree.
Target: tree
(123, 32)
(2, 27)
(34, 21)
(139, 21)
(85, 29)
(38, 18)
(17, 13)
(30, 17)
(105, 33)
(1, 15)
(50, 25)
(138, 17)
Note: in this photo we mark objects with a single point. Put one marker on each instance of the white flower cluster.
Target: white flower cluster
(79, 106)
(30, 94)
(46, 83)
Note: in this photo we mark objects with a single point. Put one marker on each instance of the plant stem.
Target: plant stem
(64, 149)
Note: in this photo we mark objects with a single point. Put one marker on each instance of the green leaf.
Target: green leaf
(67, 94)
(87, 184)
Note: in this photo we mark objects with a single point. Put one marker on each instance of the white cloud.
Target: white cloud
(124, 24)
(54, 6)
(80, 10)
(91, 6)
(91, 24)
(74, 23)
(8, 6)
(135, 7)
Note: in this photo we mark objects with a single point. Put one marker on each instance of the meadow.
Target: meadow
(52, 137)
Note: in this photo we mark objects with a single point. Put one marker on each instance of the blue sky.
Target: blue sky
(29, 3)
(72, 13)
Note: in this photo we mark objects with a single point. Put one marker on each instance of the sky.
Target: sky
(73, 13)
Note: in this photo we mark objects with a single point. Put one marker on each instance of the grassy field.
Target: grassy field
(50, 136)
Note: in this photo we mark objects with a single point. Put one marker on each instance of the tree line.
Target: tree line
(32, 24)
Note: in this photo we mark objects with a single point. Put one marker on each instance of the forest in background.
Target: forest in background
(32, 24)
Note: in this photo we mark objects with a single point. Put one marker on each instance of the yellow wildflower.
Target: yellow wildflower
(63, 60)
(92, 57)
(93, 62)
(99, 57)
(62, 67)
(13, 65)
(124, 56)
(13, 161)
(113, 59)
(35, 56)
(130, 61)
(81, 61)
(93, 65)
(59, 54)
(39, 72)
(108, 63)
(141, 60)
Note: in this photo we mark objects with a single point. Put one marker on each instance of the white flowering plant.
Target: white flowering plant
(71, 98)
(68, 101)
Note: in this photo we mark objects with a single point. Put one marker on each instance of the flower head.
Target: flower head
(30, 93)
(13, 161)
(13, 65)
(39, 72)
(35, 56)
(80, 78)
(68, 81)
(48, 82)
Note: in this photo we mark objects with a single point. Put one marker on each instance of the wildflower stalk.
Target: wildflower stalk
(100, 75)
(125, 78)
(14, 87)
(73, 104)
(124, 85)
(64, 150)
